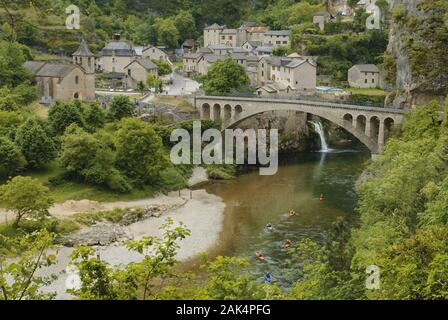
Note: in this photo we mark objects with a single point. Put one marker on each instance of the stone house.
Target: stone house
(190, 63)
(212, 35)
(251, 45)
(256, 33)
(299, 74)
(321, 18)
(277, 37)
(229, 37)
(275, 88)
(138, 70)
(221, 49)
(155, 53)
(263, 50)
(115, 56)
(216, 35)
(65, 81)
(188, 46)
(364, 76)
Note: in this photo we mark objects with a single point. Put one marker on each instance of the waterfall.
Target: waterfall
(320, 130)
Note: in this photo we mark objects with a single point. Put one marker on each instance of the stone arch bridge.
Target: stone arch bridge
(370, 125)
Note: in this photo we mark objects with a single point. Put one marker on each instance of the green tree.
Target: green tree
(141, 86)
(11, 158)
(12, 58)
(185, 24)
(18, 277)
(225, 76)
(167, 33)
(140, 152)
(63, 114)
(120, 107)
(94, 117)
(163, 67)
(26, 196)
(137, 279)
(90, 159)
(37, 147)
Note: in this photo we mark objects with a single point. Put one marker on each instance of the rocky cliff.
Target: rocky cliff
(417, 55)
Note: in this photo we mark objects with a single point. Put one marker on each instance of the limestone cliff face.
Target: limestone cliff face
(412, 89)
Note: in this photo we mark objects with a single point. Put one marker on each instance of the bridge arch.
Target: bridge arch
(216, 111)
(205, 111)
(361, 122)
(370, 143)
(370, 125)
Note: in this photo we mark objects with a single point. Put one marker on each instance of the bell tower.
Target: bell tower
(85, 81)
(84, 58)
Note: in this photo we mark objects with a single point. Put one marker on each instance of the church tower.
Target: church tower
(85, 59)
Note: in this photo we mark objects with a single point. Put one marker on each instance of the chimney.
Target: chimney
(117, 36)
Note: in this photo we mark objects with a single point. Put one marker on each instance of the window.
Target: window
(230, 37)
(77, 79)
(365, 81)
(129, 72)
(76, 95)
(373, 80)
(285, 42)
(262, 73)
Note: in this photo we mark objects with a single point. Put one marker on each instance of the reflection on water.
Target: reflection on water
(252, 201)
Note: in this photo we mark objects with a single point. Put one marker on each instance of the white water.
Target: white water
(320, 131)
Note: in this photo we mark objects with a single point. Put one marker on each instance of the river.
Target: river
(252, 201)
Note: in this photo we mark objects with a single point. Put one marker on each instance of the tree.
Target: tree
(140, 152)
(37, 147)
(225, 76)
(185, 24)
(18, 278)
(63, 114)
(12, 58)
(86, 157)
(163, 68)
(167, 33)
(281, 51)
(154, 82)
(11, 158)
(120, 107)
(136, 280)
(141, 86)
(303, 12)
(94, 117)
(26, 196)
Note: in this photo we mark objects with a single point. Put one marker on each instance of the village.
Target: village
(124, 67)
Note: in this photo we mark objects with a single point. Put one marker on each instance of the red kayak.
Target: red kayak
(259, 256)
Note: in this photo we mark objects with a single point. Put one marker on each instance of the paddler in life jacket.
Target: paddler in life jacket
(287, 244)
(269, 227)
(291, 213)
(267, 277)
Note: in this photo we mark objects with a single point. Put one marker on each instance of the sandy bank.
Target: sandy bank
(203, 215)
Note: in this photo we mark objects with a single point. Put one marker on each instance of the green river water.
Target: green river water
(252, 201)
